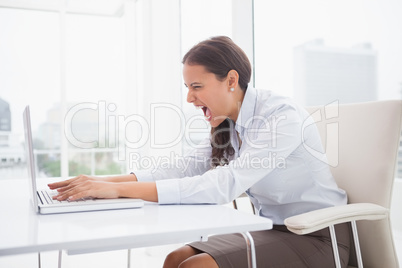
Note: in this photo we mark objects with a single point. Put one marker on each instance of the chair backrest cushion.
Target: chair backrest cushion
(361, 142)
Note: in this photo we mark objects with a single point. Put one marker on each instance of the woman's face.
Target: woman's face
(213, 96)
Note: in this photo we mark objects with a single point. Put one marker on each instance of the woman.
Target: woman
(256, 147)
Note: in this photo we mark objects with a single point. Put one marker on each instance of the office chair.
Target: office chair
(361, 142)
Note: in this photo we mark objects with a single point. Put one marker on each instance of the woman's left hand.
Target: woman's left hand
(83, 187)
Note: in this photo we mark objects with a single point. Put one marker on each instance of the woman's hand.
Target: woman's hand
(84, 186)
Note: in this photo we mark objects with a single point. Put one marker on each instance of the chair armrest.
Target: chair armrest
(319, 219)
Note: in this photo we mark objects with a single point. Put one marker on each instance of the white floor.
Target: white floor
(142, 257)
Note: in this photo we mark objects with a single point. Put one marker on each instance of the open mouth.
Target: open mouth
(207, 112)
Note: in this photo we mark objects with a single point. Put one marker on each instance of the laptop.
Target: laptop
(42, 199)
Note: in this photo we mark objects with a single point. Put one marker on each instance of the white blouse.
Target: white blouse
(273, 164)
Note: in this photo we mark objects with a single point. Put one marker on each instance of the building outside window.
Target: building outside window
(321, 52)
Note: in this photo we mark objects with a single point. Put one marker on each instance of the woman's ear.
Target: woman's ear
(233, 78)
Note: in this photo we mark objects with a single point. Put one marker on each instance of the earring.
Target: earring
(232, 89)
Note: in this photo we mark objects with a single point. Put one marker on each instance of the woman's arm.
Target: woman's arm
(142, 190)
(119, 186)
(120, 178)
(129, 185)
(117, 178)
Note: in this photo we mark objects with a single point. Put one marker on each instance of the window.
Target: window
(90, 75)
(29, 74)
(95, 91)
(200, 20)
(325, 51)
(46, 61)
(361, 33)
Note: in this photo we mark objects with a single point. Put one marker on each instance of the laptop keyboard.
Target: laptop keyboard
(47, 197)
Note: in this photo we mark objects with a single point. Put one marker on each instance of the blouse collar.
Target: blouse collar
(247, 109)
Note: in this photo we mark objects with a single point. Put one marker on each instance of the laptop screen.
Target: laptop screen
(30, 157)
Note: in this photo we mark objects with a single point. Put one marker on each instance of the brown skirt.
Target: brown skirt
(279, 248)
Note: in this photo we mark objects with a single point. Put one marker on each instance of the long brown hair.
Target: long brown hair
(219, 55)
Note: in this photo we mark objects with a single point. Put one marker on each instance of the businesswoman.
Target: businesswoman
(255, 146)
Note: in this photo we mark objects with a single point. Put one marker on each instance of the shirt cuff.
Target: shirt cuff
(143, 175)
(168, 191)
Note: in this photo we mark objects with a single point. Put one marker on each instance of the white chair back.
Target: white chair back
(362, 141)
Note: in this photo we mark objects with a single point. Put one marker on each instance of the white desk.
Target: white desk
(24, 231)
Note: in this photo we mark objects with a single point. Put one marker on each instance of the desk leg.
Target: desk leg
(129, 258)
(59, 261)
(252, 261)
